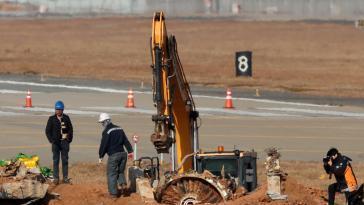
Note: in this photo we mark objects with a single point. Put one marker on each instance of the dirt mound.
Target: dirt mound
(90, 187)
(297, 195)
(79, 194)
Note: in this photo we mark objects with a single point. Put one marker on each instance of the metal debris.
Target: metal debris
(194, 188)
(275, 176)
(17, 183)
(272, 161)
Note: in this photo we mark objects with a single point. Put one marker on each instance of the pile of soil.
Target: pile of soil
(297, 195)
(79, 194)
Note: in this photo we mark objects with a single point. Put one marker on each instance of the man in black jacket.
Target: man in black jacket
(112, 143)
(59, 132)
(339, 165)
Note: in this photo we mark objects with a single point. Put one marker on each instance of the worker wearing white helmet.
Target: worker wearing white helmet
(113, 143)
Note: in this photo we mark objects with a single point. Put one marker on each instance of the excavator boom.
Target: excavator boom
(175, 121)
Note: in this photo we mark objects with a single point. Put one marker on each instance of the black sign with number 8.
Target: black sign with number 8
(243, 63)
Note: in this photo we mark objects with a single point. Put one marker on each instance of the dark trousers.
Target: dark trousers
(333, 188)
(60, 151)
(356, 197)
(115, 171)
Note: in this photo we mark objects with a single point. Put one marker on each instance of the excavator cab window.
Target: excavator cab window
(219, 165)
(231, 165)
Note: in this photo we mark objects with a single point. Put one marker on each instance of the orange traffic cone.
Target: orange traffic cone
(28, 100)
(130, 100)
(229, 100)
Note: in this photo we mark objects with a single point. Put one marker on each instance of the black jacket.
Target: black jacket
(113, 141)
(343, 172)
(53, 129)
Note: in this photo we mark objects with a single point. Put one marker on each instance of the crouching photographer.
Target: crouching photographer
(339, 165)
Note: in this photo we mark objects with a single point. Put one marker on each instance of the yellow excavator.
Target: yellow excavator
(176, 118)
(196, 176)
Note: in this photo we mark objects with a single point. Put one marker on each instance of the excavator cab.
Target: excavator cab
(238, 165)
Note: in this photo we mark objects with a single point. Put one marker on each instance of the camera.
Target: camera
(326, 160)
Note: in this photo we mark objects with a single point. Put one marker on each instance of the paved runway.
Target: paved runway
(302, 131)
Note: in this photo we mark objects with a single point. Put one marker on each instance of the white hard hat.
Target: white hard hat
(104, 116)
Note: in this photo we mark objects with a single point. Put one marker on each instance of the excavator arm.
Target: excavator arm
(176, 130)
(200, 179)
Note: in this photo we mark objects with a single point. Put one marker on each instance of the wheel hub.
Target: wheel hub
(189, 200)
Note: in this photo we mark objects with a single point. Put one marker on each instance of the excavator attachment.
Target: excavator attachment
(194, 188)
(161, 137)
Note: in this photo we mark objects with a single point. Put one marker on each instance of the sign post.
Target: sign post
(135, 140)
(243, 63)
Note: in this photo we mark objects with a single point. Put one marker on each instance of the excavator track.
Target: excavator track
(194, 188)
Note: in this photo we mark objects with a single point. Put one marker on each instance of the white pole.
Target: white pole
(196, 145)
(135, 151)
(173, 154)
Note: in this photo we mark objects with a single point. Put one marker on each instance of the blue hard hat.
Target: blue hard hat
(59, 105)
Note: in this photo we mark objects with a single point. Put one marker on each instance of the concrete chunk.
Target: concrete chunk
(144, 189)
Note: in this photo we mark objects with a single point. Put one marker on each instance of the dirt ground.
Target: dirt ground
(96, 194)
(305, 187)
(320, 58)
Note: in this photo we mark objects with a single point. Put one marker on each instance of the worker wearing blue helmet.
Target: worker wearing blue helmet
(59, 132)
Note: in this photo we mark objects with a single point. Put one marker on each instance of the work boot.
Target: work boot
(55, 181)
(113, 196)
(123, 189)
(66, 181)
(120, 187)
